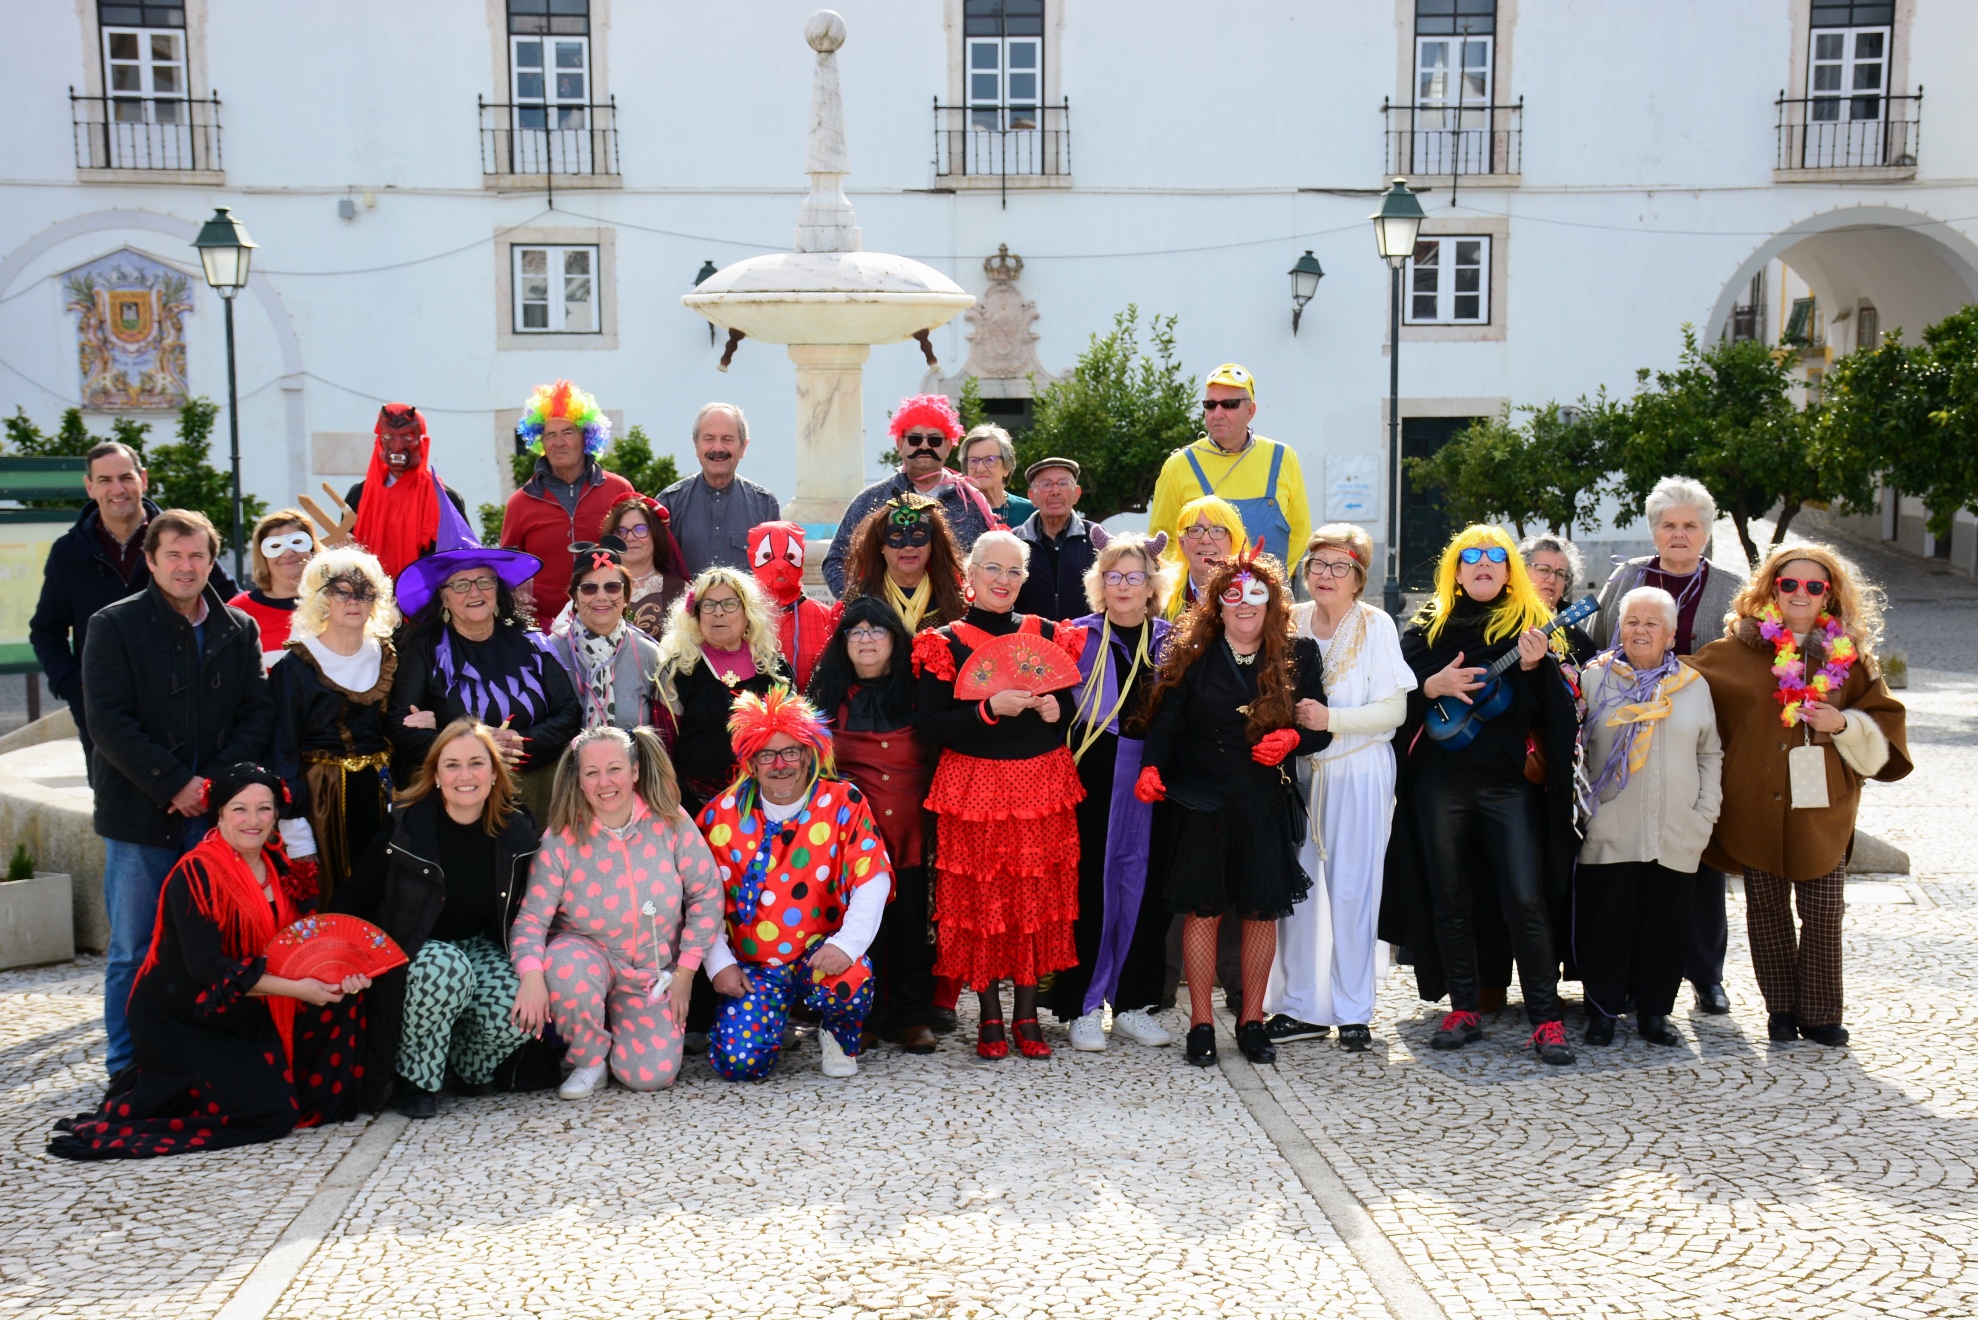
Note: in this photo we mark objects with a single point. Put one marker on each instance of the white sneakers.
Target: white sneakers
(581, 1082)
(837, 1063)
(1088, 1032)
(1138, 1026)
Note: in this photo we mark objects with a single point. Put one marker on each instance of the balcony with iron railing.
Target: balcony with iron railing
(536, 145)
(1842, 138)
(1002, 147)
(1455, 139)
(161, 139)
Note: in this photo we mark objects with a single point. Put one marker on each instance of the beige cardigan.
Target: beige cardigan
(1666, 811)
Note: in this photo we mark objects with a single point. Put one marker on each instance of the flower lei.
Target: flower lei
(1790, 666)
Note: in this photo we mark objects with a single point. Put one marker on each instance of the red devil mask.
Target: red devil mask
(776, 552)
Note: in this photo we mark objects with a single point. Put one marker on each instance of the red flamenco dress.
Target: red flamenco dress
(214, 1066)
(1005, 795)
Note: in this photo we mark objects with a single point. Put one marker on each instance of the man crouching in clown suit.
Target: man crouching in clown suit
(806, 880)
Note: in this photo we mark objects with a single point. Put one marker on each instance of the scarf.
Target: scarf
(1093, 693)
(910, 606)
(400, 521)
(224, 891)
(598, 658)
(1638, 699)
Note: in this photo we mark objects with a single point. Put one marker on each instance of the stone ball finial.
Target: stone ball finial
(825, 32)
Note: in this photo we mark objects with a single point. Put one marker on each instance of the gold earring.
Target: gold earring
(446, 615)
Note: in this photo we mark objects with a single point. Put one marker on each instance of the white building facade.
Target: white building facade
(457, 199)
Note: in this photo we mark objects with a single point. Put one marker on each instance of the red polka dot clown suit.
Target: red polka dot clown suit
(801, 878)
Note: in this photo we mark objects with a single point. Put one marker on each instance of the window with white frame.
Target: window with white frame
(1003, 49)
(549, 70)
(1448, 281)
(144, 65)
(1847, 82)
(1455, 52)
(556, 288)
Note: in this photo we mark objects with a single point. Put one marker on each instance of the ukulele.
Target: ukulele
(1455, 723)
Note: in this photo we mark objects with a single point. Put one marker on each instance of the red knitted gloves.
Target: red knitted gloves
(1149, 788)
(1274, 746)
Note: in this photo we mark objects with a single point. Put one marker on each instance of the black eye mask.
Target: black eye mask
(903, 536)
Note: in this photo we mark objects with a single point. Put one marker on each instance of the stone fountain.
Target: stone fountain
(829, 301)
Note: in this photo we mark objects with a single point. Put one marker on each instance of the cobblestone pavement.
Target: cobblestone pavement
(1730, 1178)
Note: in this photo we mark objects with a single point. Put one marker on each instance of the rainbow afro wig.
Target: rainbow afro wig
(564, 400)
(753, 721)
(927, 410)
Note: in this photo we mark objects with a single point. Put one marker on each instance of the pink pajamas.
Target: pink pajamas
(583, 924)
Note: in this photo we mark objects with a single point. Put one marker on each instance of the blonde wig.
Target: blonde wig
(348, 564)
(262, 572)
(1220, 512)
(653, 779)
(1342, 536)
(1851, 598)
(500, 806)
(1161, 575)
(680, 648)
(1523, 607)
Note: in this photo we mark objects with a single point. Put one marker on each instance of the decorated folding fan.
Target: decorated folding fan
(331, 947)
(1019, 660)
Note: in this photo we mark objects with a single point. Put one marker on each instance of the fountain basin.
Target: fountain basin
(828, 298)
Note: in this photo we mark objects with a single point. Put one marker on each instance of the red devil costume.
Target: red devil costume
(776, 553)
(397, 506)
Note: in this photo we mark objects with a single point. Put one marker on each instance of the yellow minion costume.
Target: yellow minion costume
(1262, 479)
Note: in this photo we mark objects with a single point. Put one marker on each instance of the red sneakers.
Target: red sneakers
(1548, 1041)
(1457, 1030)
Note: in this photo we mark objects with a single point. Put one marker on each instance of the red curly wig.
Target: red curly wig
(927, 410)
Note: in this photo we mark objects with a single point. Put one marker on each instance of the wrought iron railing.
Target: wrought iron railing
(980, 141)
(1454, 139)
(145, 132)
(554, 138)
(1848, 132)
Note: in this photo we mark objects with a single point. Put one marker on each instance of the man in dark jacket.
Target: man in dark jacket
(174, 688)
(99, 560)
(1062, 544)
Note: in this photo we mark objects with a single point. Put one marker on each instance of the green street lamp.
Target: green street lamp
(1305, 277)
(225, 251)
(1396, 226)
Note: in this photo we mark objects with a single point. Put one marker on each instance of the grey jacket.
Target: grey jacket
(634, 676)
(961, 504)
(1724, 582)
(1669, 806)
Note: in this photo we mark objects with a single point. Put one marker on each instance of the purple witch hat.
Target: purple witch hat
(456, 547)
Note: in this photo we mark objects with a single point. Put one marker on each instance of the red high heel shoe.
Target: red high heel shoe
(991, 1049)
(1031, 1049)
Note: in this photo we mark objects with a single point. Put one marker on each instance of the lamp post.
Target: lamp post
(225, 250)
(1305, 277)
(1396, 224)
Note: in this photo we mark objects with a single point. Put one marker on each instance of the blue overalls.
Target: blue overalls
(1262, 514)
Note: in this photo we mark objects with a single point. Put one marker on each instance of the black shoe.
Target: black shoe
(1282, 1029)
(1782, 1027)
(1202, 1045)
(1833, 1034)
(1255, 1043)
(1458, 1029)
(940, 1021)
(474, 1088)
(416, 1103)
(1655, 1029)
(1354, 1038)
(1712, 999)
(1600, 1029)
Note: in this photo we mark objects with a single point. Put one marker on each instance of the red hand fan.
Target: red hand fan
(1018, 660)
(331, 947)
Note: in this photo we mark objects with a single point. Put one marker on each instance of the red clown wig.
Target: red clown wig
(927, 410)
(754, 720)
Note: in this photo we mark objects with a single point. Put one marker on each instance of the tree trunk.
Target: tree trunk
(1787, 512)
(1742, 521)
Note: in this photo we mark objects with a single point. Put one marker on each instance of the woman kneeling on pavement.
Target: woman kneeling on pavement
(223, 1053)
(622, 907)
(1805, 717)
(444, 881)
(1655, 761)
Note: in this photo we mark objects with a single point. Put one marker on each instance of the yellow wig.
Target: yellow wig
(1220, 513)
(1523, 606)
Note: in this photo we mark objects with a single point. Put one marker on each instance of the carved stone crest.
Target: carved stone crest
(1002, 348)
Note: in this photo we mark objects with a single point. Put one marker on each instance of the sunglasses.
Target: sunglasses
(1115, 578)
(1476, 554)
(1246, 590)
(1790, 586)
(1210, 405)
(787, 755)
(275, 546)
(924, 439)
(610, 587)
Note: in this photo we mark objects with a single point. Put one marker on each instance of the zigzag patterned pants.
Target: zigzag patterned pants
(457, 997)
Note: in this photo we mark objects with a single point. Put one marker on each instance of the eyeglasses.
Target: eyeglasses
(1115, 578)
(983, 462)
(462, 586)
(1547, 571)
(355, 595)
(1329, 567)
(1790, 586)
(634, 531)
(275, 546)
(1052, 487)
(611, 587)
(726, 605)
(1210, 405)
(1200, 533)
(996, 572)
(1246, 590)
(864, 632)
(1476, 554)
(787, 755)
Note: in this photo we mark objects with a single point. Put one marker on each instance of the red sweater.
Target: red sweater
(535, 522)
(273, 617)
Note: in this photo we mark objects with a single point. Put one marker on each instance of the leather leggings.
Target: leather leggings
(1467, 821)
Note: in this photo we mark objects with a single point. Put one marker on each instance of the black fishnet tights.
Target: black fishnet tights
(1198, 963)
